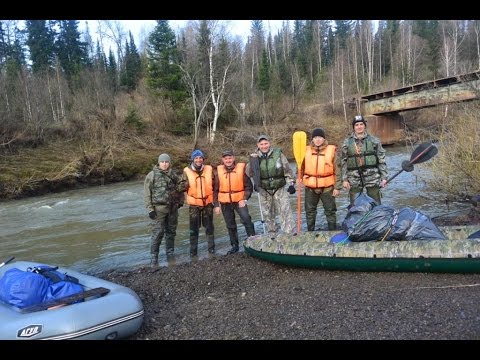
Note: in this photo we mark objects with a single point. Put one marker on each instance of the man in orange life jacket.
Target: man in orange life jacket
(322, 180)
(199, 195)
(231, 190)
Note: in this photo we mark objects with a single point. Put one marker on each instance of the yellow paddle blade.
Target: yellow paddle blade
(299, 146)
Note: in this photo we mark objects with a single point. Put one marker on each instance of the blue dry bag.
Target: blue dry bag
(37, 285)
(23, 288)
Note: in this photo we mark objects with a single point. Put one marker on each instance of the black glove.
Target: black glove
(152, 214)
(291, 189)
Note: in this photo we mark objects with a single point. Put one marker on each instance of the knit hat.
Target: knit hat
(263, 137)
(228, 153)
(164, 157)
(196, 153)
(358, 118)
(318, 132)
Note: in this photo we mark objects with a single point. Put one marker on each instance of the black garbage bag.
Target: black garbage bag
(384, 222)
(402, 223)
(423, 228)
(413, 225)
(362, 205)
(373, 225)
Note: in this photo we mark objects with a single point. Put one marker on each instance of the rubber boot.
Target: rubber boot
(250, 229)
(233, 250)
(154, 260)
(211, 244)
(193, 246)
(332, 226)
(310, 224)
(170, 246)
(233, 241)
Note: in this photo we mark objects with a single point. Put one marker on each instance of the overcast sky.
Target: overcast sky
(139, 28)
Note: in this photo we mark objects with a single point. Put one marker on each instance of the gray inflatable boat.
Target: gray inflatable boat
(107, 311)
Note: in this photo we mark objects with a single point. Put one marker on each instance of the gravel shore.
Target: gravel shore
(237, 297)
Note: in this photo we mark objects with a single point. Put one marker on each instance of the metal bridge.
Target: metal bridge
(382, 109)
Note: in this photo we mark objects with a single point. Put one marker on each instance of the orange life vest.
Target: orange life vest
(200, 187)
(231, 187)
(319, 167)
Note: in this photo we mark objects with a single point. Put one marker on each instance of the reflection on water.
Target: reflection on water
(96, 229)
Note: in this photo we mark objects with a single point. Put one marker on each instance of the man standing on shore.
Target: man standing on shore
(163, 195)
(321, 177)
(199, 180)
(274, 175)
(363, 162)
(232, 189)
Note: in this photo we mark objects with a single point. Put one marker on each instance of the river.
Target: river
(106, 227)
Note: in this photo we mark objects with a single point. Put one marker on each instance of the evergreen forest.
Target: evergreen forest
(97, 114)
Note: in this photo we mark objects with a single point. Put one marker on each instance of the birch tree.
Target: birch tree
(217, 91)
(193, 77)
(452, 38)
(476, 27)
(113, 31)
(200, 99)
(219, 62)
(367, 31)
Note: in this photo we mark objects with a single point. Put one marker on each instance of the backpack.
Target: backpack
(36, 285)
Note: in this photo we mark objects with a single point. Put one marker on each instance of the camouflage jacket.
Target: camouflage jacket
(163, 188)
(283, 164)
(364, 176)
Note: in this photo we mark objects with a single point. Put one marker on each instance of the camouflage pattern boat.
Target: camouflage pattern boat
(313, 249)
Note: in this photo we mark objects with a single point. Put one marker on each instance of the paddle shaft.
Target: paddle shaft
(299, 204)
(394, 176)
(413, 161)
(7, 261)
(255, 167)
(261, 213)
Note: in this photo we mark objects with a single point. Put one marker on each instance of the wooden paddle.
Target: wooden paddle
(422, 153)
(299, 149)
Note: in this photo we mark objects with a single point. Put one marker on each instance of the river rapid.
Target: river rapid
(107, 227)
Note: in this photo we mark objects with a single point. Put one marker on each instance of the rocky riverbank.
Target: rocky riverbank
(238, 297)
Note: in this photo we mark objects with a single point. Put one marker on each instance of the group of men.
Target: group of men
(207, 190)
(227, 188)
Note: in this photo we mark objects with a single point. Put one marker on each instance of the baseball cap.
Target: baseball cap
(228, 153)
(263, 137)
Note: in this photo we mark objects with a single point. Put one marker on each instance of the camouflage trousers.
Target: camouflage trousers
(164, 224)
(372, 191)
(277, 203)
(312, 198)
(368, 179)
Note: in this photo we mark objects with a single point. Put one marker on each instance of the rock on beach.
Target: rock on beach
(238, 297)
